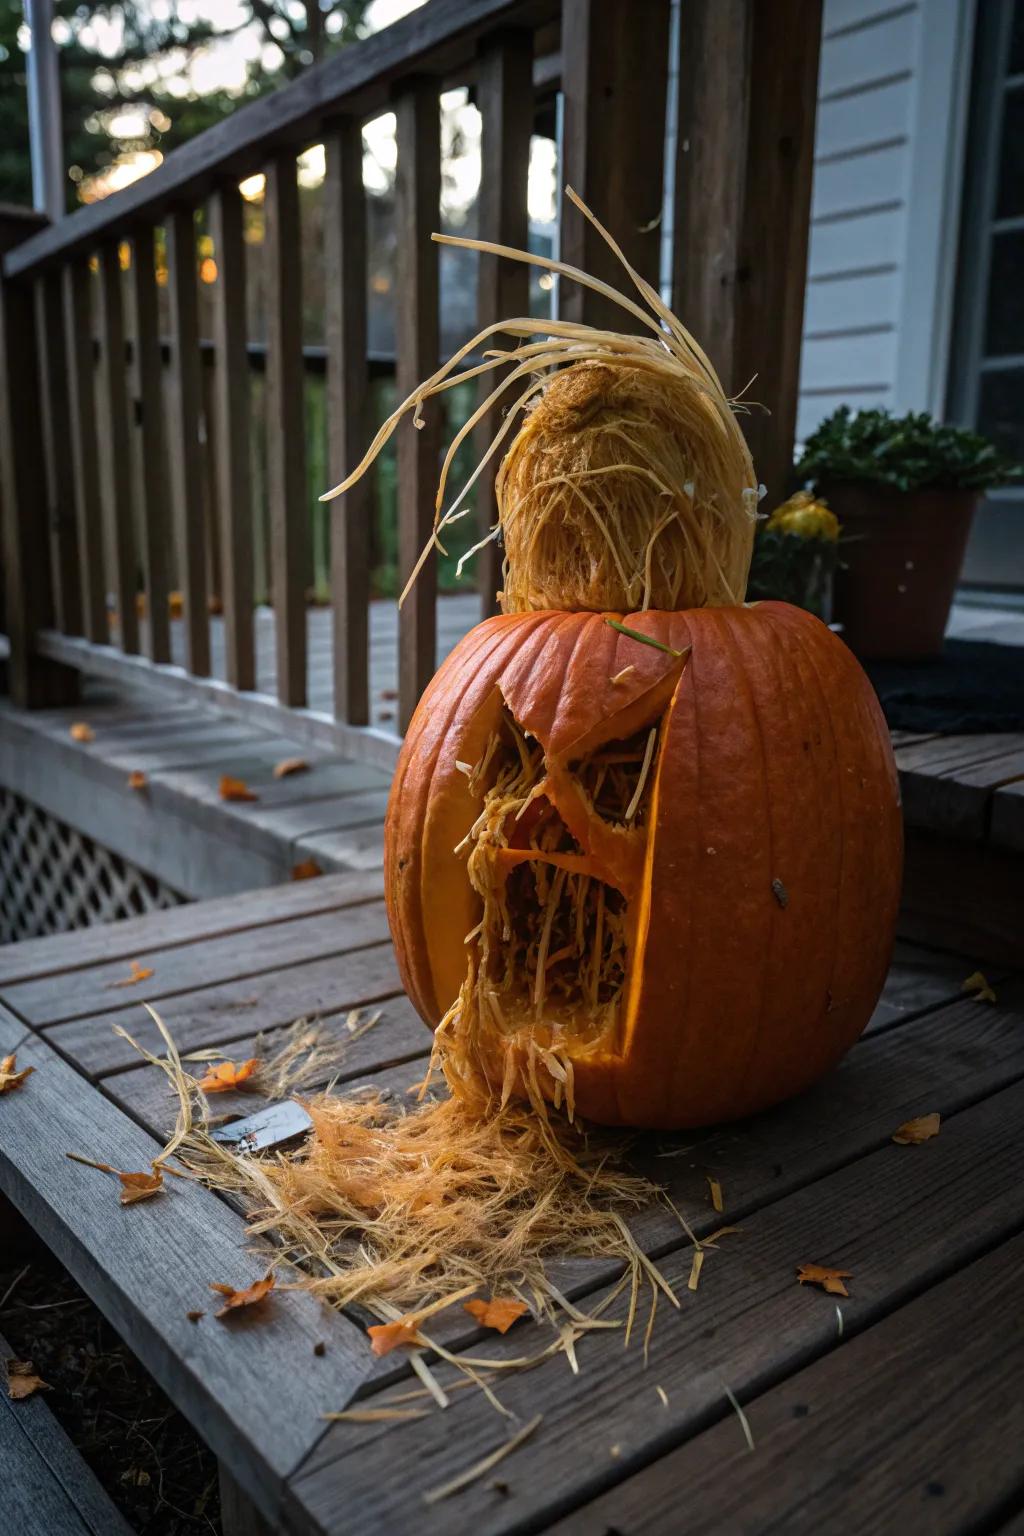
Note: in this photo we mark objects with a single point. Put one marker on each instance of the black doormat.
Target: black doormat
(975, 685)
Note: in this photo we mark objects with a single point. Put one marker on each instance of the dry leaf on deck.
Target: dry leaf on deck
(82, 732)
(235, 789)
(22, 1380)
(137, 973)
(10, 1077)
(228, 1075)
(140, 1186)
(830, 1280)
(307, 870)
(137, 779)
(290, 765)
(716, 1192)
(913, 1132)
(978, 984)
(249, 1297)
(499, 1313)
(384, 1337)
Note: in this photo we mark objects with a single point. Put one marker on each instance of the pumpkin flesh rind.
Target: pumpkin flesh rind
(765, 913)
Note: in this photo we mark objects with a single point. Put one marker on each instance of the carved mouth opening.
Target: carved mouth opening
(551, 950)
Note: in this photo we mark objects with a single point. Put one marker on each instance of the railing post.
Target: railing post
(348, 415)
(615, 82)
(231, 442)
(118, 457)
(286, 429)
(25, 554)
(56, 426)
(748, 87)
(186, 454)
(81, 375)
(505, 97)
(155, 521)
(417, 343)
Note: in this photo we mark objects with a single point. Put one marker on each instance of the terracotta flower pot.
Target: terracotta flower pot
(899, 560)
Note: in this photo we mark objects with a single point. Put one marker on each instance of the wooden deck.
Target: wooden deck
(897, 1409)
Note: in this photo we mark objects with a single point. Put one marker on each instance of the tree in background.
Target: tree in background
(140, 76)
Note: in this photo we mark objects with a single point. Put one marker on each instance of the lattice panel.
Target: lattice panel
(53, 878)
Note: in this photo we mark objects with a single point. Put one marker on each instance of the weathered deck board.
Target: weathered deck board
(839, 1446)
(255, 1386)
(748, 1327)
(47, 1488)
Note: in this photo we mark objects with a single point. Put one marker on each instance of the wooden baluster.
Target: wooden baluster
(186, 450)
(54, 416)
(744, 164)
(615, 81)
(348, 393)
(286, 430)
(232, 440)
(114, 376)
(34, 681)
(505, 94)
(152, 492)
(417, 345)
(84, 448)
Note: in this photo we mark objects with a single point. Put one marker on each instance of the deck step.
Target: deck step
(48, 1490)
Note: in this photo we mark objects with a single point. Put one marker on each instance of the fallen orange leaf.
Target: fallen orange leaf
(137, 973)
(10, 1077)
(499, 1313)
(384, 1337)
(249, 1297)
(137, 779)
(82, 732)
(913, 1132)
(22, 1380)
(307, 870)
(830, 1280)
(716, 1192)
(978, 984)
(290, 765)
(235, 789)
(226, 1075)
(140, 1186)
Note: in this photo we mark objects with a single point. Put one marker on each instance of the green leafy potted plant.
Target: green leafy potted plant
(904, 489)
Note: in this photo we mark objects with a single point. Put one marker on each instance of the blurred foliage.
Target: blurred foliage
(795, 554)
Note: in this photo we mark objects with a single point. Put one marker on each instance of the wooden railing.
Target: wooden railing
(85, 516)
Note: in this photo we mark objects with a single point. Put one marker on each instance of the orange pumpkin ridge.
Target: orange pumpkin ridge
(761, 874)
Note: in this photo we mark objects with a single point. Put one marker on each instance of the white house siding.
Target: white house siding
(882, 246)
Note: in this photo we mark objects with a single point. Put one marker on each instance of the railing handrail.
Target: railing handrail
(358, 80)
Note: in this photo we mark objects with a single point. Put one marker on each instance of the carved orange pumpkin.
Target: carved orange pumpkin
(670, 875)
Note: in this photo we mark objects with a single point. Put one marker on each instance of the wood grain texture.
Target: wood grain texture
(1007, 829)
(894, 1431)
(963, 896)
(151, 486)
(748, 86)
(55, 419)
(186, 406)
(286, 428)
(254, 1388)
(84, 448)
(614, 81)
(225, 1011)
(204, 962)
(949, 784)
(504, 86)
(48, 1490)
(347, 416)
(233, 451)
(417, 343)
(117, 459)
(901, 1220)
(182, 925)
